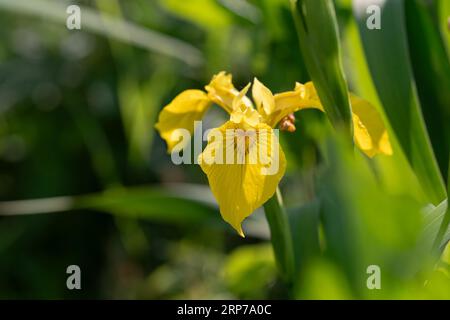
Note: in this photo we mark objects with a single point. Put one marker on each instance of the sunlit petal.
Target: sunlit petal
(263, 97)
(240, 188)
(238, 100)
(222, 91)
(369, 131)
(304, 96)
(187, 107)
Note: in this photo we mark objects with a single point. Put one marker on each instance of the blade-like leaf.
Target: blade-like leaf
(432, 73)
(319, 43)
(444, 22)
(175, 203)
(433, 219)
(364, 224)
(156, 204)
(304, 222)
(389, 62)
(393, 171)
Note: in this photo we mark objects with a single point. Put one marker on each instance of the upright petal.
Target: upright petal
(263, 97)
(238, 100)
(241, 183)
(222, 91)
(187, 107)
(304, 96)
(369, 131)
(242, 114)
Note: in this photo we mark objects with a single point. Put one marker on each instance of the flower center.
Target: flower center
(246, 117)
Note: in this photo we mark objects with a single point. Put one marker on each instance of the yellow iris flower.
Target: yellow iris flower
(240, 187)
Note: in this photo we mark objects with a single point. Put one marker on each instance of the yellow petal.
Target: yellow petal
(238, 101)
(369, 131)
(304, 96)
(187, 107)
(222, 91)
(263, 97)
(242, 183)
(247, 117)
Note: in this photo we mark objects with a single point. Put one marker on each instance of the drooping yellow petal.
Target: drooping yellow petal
(304, 96)
(222, 91)
(369, 131)
(263, 97)
(241, 178)
(187, 107)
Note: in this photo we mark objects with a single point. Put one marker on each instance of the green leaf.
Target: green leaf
(433, 219)
(443, 235)
(444, 22)
(393, 171)
(389, 62)
(180, 204)
(364, 224)
(304, 222)
(432, 73)
(319, 43)
(174, 203)
(446, 237)
(177, 204)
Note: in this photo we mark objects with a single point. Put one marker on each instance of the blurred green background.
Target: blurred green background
(85, 179)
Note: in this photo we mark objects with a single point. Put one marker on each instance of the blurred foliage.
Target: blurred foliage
(77, 109)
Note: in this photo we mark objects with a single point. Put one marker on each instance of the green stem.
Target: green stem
(281, 236)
